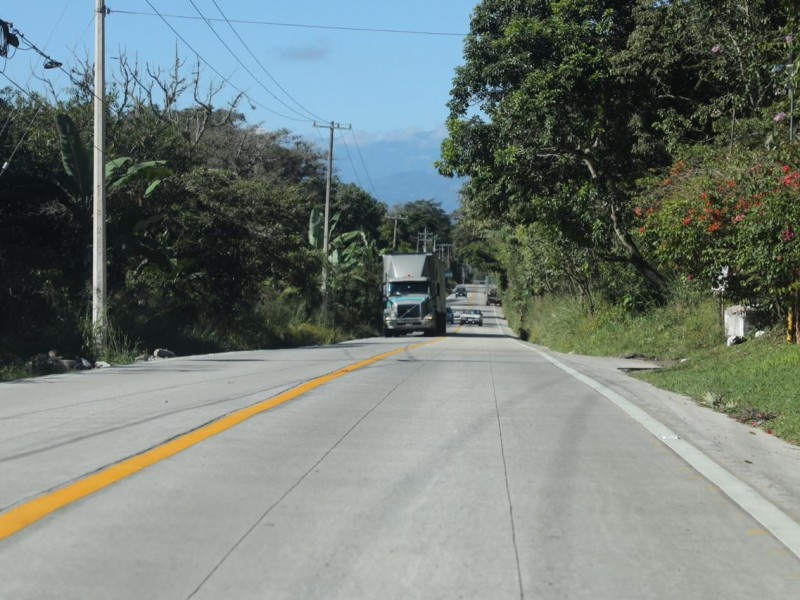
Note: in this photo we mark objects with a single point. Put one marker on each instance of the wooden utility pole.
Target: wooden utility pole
(423, 236)
(395, 218)
(326, 228)
(99, 289)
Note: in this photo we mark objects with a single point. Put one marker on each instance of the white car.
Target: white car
(471, 316)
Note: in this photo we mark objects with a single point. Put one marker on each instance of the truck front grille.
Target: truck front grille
(408, 311)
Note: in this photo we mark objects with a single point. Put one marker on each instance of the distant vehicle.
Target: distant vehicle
(461, 291)
(492, 297)
(449, 315)
(471, 316)
(414, 294)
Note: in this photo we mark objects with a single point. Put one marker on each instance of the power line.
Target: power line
(350, 158)
(258, 62)
(210, 66)
(6, 163)
(232, 53)
(302, 25)
(48, 63)
(364, 164)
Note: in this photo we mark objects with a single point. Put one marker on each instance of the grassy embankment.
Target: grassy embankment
(272, 325)
(754, 382)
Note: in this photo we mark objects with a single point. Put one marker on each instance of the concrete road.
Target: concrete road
(471, 466)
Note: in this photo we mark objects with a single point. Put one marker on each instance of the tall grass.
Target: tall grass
(688, 322)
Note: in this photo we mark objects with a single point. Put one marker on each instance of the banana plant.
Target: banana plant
(121, 174)
(77, 162)
(316, 228)
(347, 251)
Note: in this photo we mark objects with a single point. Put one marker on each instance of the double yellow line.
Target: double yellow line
(26, 514)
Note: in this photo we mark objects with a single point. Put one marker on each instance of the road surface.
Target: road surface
(470, 466)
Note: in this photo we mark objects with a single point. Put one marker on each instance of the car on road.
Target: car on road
(492, 297)
(449, 315)
(471, 316)
(461, 292)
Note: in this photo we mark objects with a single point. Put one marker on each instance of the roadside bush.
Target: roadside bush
(732, 225)
(688, 321)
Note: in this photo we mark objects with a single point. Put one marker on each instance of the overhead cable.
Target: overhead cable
(225, 79)
(361, 156)
(263, 68)
(232, 53)
(302, 25)
(350, 158)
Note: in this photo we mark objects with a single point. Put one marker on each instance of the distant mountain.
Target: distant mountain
(397, 167)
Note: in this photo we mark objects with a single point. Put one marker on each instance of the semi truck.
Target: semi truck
(414, 294)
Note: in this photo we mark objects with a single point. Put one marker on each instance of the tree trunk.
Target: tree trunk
(644, 268)
(635, 257)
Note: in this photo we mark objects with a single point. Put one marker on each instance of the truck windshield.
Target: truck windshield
(404, 288)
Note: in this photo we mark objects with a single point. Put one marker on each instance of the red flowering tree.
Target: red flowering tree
(741, 219)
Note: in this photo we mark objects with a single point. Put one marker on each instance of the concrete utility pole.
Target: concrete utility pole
(326, 230)
(99, 290)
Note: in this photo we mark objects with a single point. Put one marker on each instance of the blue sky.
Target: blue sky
(382, 83)
(383, 67)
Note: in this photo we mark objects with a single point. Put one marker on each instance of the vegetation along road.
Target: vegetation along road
(473, 465)
(629, 176)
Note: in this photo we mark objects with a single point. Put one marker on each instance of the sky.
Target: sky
(353, 62)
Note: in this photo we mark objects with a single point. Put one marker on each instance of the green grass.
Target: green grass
(667, 333)
(754, 382)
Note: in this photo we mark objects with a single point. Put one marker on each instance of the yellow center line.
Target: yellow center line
(26, 514)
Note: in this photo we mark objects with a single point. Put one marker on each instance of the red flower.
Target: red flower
(686, 221)
(638, 211)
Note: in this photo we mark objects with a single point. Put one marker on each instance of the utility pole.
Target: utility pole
(99, 290)
(326, 230)
(395, 218)
(424, 235)
(442, 249)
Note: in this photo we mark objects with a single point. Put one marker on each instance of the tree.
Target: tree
(709, 67)
(555, 131)
(415, 219)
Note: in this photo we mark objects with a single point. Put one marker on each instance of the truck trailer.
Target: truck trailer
(414, 294)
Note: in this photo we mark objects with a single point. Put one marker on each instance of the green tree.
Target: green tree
(712, 69)
(543, 125)
(414, 220)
